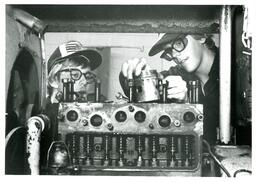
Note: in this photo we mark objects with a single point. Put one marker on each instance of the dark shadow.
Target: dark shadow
(23, 91)
(240, 83)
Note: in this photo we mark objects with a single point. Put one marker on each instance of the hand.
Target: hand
(134, 67)
(177, 88)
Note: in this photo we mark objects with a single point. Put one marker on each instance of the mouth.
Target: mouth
(182, 61)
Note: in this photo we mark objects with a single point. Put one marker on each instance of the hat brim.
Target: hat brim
(158, 46)
(93, 56)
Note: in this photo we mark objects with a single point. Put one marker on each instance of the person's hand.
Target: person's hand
(134, 67)
(177, 88)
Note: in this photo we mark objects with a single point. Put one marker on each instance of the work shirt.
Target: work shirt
(210, 100)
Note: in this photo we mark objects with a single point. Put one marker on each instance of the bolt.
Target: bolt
(151, 126)
(177, 123)
(110, 126)
(131, 108)
(85, 122)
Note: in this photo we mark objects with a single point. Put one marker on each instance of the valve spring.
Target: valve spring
(106, 150)
(173, 148)
(140, 151)
(81, 145)
(81, 149)
(106, 145)
(121, 151)
(186, 146)
(73, 149)
(153, 146)
(88, 149)
(139, 145)
(154, 152)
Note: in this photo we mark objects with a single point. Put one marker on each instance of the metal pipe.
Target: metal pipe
(100, 47)
(35, 125)
(30, 21)
(225, 73)
(43, 71)
(165, 88)
(131, 86)
(97, 90)
(68, 90)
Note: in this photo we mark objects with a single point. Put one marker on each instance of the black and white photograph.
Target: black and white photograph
(131, 90)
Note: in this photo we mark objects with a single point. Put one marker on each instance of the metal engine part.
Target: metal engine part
(132, 139)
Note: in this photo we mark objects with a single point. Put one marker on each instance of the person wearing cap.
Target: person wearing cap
(70, 61)
(196, 58)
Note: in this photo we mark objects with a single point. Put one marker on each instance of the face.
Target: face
(185, 51)
(81, 75)
(76, 74)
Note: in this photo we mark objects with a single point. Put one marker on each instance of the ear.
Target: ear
(202, 40)
(52, 79)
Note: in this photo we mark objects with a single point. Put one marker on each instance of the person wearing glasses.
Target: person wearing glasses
(196, 58)
(70, 62)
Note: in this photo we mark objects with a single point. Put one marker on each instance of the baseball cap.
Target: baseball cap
(164, 39)
(74, 48)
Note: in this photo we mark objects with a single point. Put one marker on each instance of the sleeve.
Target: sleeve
(124, 83)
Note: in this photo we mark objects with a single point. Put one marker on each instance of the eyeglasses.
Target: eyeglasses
(75, 74)
(178, 45)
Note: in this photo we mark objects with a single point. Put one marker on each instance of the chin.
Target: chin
(189, 67)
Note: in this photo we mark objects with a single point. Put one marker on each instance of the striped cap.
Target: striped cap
(74, 48)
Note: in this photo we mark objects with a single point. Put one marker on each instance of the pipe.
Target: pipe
(29, 21)
(97, 90)
(35, 125)
(100, 47)
(10, 134)
(43, 71)
(225, 74)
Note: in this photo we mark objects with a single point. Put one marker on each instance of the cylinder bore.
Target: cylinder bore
(164, 121)
(189, 117)
(121, 116)
(200, 117)
(96, 120)
(72, 115)
(140, 116)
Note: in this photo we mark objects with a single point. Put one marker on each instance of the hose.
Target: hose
(215, 158)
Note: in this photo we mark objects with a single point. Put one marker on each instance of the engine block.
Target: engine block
(132, 138)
